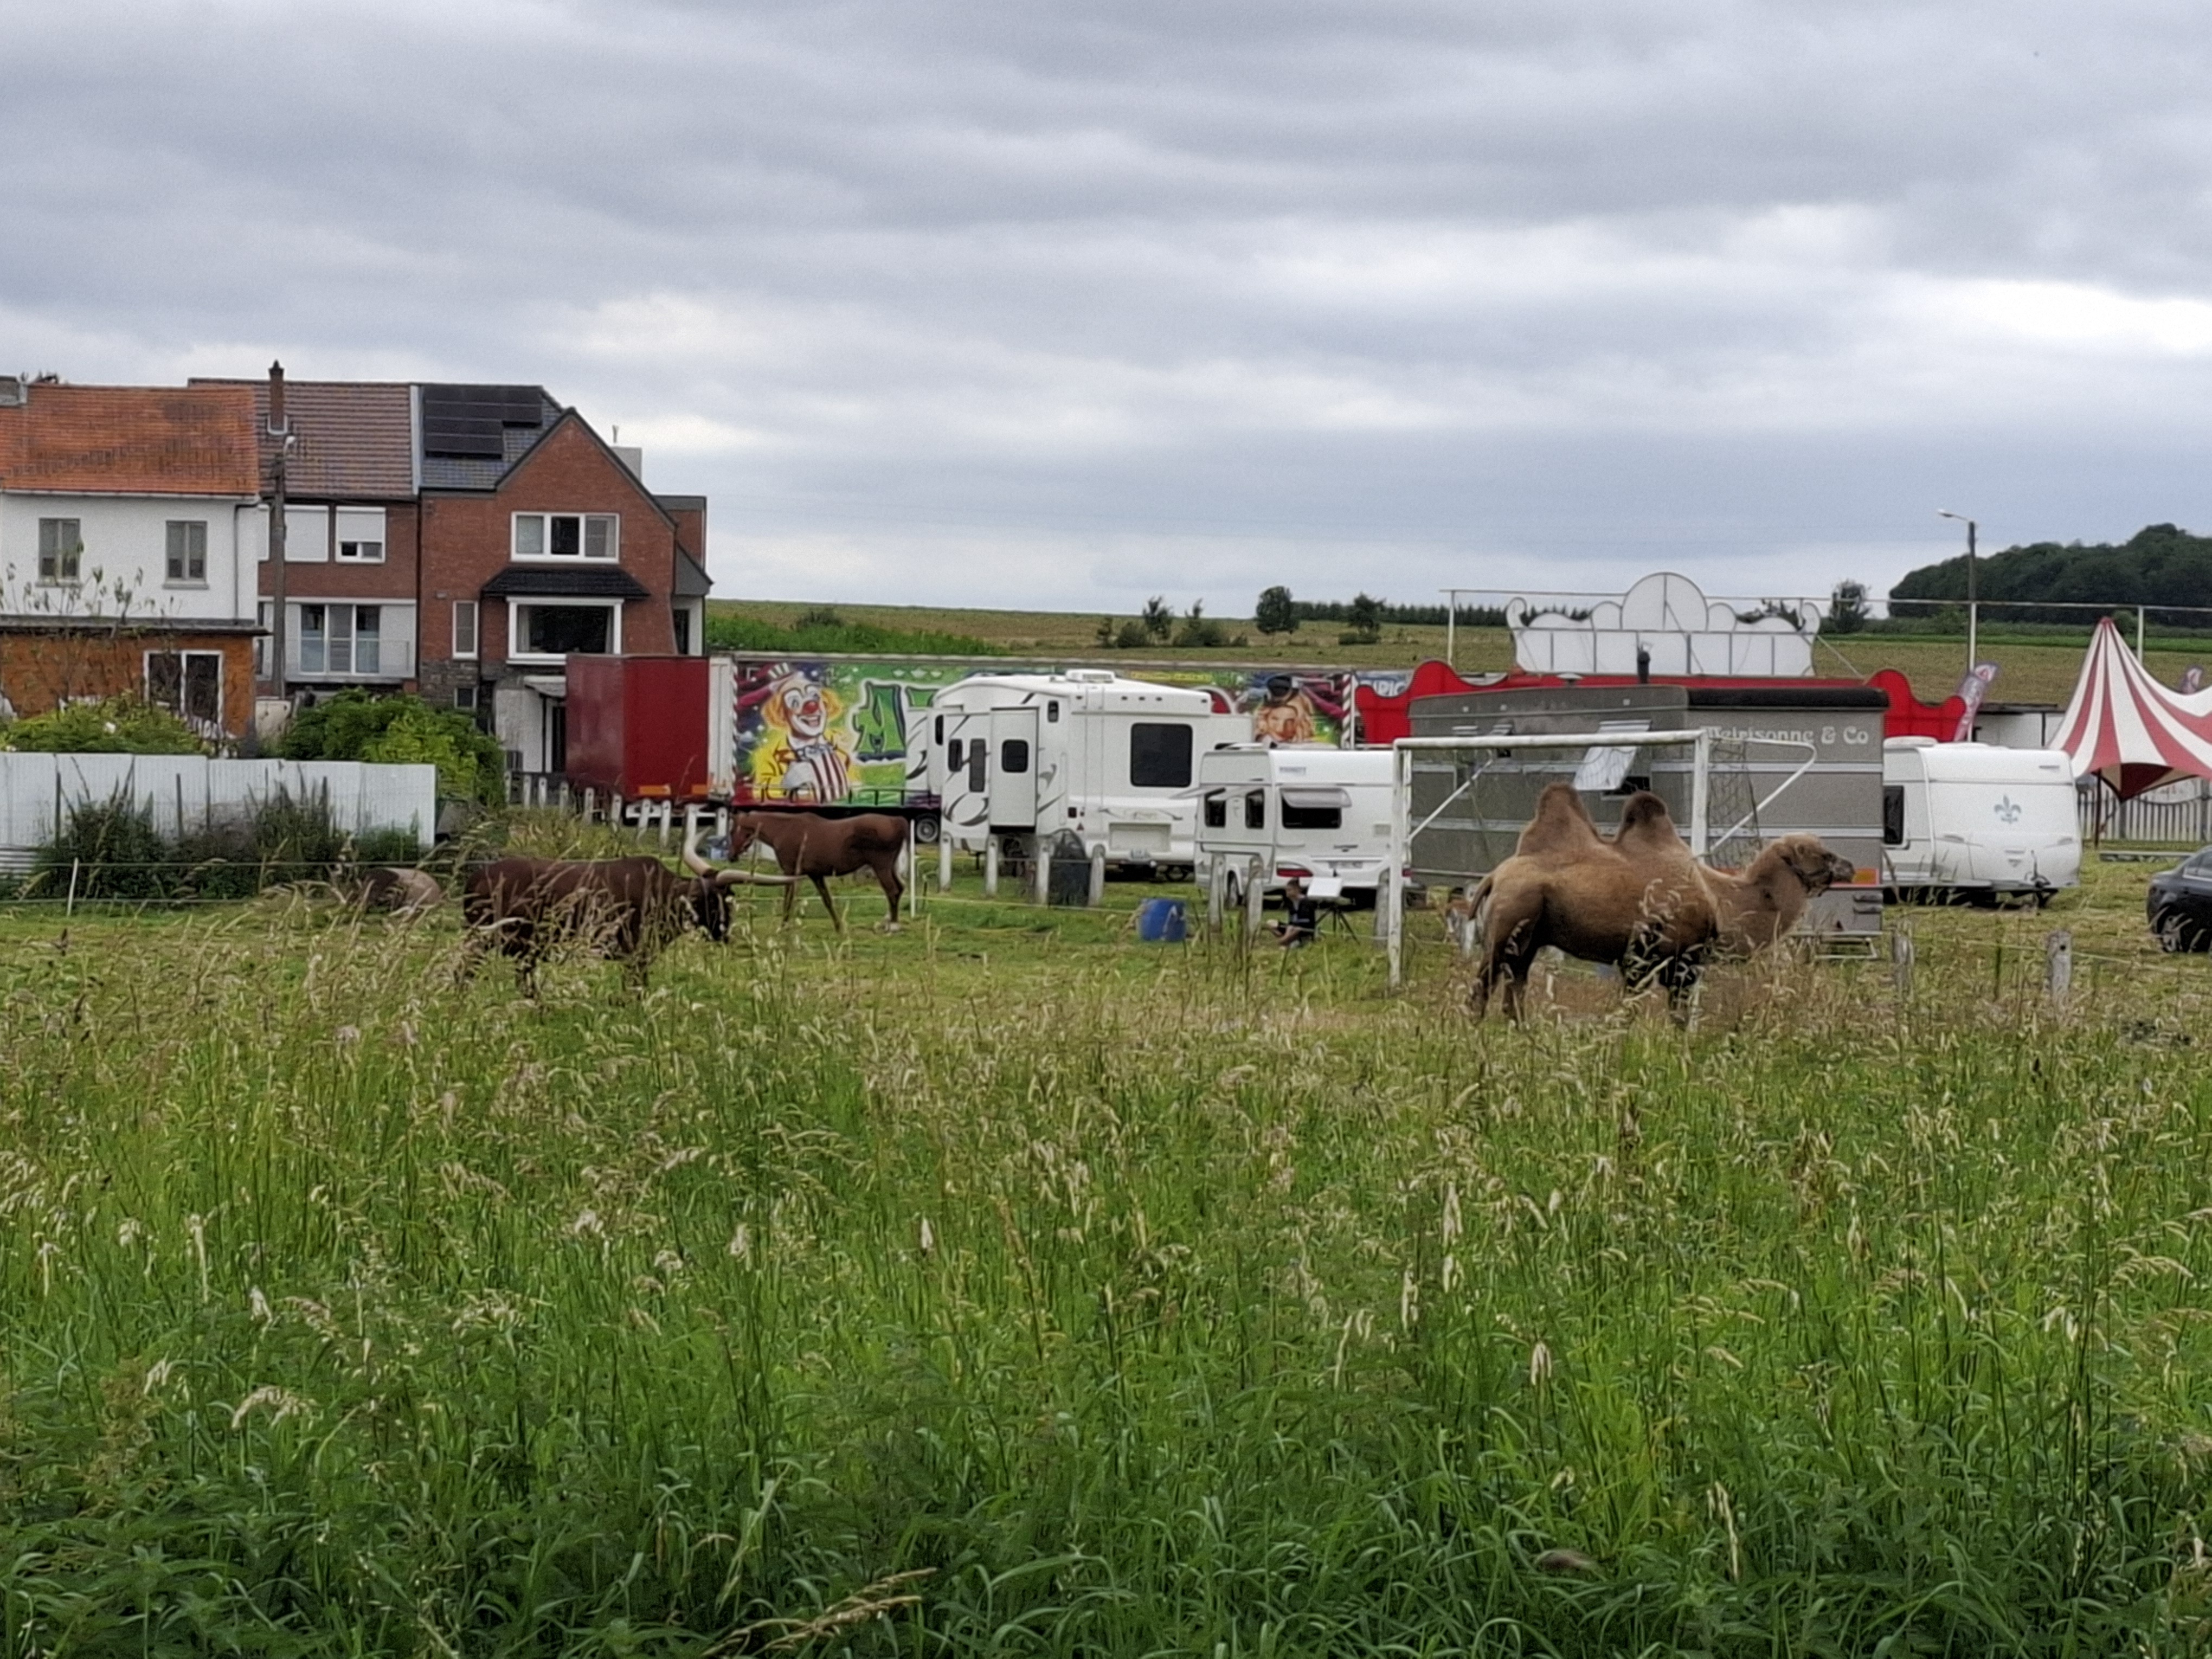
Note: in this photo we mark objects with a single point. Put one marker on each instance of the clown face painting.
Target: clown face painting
(804, 759)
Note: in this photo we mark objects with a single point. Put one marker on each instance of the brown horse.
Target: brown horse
(807, 844)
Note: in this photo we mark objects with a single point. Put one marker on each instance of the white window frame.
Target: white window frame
(174, 576)
(540, 535)
(474, 614)
(519, 625)
(57, 564)
(264, 614)
(357, 547)
(331, 638)
(361, 552)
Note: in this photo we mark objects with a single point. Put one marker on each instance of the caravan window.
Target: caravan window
(1159, 756)
(1216, 811)
(955, 752)
(1314, 808)
(1892, 815)
(1014, 756)
(1255, 809)
(979, 764)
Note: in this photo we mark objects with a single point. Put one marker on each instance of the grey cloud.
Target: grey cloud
(1085, 303)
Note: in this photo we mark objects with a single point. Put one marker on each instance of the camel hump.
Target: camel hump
(1562, 825)
(1647, 827)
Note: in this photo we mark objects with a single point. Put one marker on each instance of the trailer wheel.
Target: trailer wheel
(925, 831)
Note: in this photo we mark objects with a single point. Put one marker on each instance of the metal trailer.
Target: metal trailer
(1785, 759)
(1018, 758)
(1319, 814)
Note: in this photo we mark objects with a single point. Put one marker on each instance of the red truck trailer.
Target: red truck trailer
(638, 727)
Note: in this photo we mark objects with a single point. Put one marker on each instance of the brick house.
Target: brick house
(125, 515)
(538, 540)
(351, 535)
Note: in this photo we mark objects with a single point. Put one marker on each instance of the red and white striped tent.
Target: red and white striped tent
(2127, 728)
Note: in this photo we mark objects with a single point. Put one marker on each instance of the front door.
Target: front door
(965, 800)
(1014, 768)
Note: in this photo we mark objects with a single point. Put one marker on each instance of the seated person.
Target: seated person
(1301, 917)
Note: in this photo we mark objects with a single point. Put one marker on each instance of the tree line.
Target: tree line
(2161, 564)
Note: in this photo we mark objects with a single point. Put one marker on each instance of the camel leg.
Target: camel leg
(829, 903)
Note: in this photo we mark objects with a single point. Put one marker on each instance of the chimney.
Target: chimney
(276, 427)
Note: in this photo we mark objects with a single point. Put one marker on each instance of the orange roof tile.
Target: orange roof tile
(130, 440)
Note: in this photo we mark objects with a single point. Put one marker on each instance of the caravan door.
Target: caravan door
(964, 803)
(1013, 787)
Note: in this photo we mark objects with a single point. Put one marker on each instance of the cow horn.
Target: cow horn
(692, 861)
(730, 877)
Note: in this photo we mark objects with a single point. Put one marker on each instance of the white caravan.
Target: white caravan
(1974, 817)
(1112, 760)
(1322, 815)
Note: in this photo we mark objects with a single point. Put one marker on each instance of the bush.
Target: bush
(399, 730)
(110, 849)
(112, 726)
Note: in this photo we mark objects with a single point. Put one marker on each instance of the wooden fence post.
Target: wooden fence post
(2058, 965)
(1098, 875)
(1041, 869)
(1255, 896)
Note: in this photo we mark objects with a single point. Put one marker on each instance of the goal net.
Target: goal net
(1458, 803)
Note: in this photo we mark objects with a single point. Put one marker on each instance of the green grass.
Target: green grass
(1051, 1294)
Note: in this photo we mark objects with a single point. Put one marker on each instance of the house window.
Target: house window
(683, 619)
(359, 532)
(188, 549)
(558, 630)
(464, 697)
(186, 683)
(61, 550)
(262, 613)
(341, 639)
(464, 628)
(1159, 756)
(567, 534)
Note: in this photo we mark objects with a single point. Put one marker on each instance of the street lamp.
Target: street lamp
(1971, 609)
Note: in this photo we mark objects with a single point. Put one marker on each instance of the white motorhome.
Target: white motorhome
(1975, 818)
(1307, 810)
(1111, 759)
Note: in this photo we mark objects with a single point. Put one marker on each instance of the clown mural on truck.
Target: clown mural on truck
(834, 731)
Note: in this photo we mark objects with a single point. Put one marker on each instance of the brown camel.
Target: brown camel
(1640, 902)
(807, 844)
(1632, 902)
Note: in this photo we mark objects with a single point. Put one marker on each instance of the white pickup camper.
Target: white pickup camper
(1027, 755)
(1973, 818)
(1320, 814)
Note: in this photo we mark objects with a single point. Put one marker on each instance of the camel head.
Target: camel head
(1807, 860)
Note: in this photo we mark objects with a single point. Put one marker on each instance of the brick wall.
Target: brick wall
(394, 580)
(467, 540)
(37, 671)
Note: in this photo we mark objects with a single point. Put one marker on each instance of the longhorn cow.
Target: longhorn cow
(629, 909)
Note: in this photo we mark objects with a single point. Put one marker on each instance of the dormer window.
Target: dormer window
(568, 536)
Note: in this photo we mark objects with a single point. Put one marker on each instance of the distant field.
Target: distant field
(2028, 671)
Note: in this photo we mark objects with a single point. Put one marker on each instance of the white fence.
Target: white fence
(2176, 814)
(188, 792)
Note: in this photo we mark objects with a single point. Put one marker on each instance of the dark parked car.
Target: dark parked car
(2179, 904)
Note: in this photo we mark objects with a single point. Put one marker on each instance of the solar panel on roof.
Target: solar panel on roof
(468, 420)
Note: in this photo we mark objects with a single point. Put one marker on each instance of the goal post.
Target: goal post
(1599, 763)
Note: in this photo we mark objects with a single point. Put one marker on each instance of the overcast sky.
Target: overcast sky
(1021, 305)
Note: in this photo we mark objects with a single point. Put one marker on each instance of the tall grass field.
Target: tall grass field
(1007, 1286)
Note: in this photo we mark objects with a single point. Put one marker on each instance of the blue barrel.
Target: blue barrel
(1160, 921)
